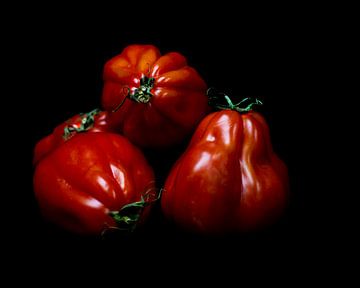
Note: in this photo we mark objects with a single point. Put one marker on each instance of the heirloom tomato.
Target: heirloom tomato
(229, 179)
(89, 182)
(162, 99)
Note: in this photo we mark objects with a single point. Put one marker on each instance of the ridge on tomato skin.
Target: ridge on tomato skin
(95, 121)
(84, 183)
(229, 179)
(162, 99)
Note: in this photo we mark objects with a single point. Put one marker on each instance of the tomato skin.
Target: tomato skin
(178, 101)
(86, 177)
(228, 179)
(56, 138)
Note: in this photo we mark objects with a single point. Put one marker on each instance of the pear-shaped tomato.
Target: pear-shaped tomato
(229, 179)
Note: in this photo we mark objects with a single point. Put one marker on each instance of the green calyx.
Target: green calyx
(140, 95)
(129, 215)
(143, 93)
(87, 121)
(216, 99)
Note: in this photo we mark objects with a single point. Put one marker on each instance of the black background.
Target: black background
(60, 57)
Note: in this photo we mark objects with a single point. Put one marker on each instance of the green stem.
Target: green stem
(143, 93)
(129, 215)
(87, 121)
(122, 102)
(216, 100)
(140, 95)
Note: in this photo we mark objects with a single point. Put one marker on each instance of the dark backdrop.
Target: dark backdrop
(61, 60)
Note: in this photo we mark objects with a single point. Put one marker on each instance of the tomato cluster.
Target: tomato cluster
(91, 175)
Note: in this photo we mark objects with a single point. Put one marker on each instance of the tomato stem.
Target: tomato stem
(129, 215)
(216, 100)
(122, 102)
(140, 95)
(85, 122)
(143, 93)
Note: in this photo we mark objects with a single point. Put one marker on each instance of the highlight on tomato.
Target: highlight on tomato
(158, 99)
(91, 183)
(229, 179)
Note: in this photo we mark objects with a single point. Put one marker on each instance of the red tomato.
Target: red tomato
(165, 98)
(94, 121)
(228, 179)
(93, 182)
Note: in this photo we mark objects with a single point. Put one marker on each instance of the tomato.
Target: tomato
(228, 179)
(94, 182)
(94, 121)
(164, 98)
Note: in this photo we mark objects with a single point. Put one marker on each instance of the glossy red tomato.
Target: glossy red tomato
(164, 98)
(94, 182)
(94, 121)
(229, 178)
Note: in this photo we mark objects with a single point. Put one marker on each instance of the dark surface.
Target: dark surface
(64, 76)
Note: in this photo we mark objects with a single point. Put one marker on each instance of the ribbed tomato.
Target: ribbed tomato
(89, 182)
(164, 98)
